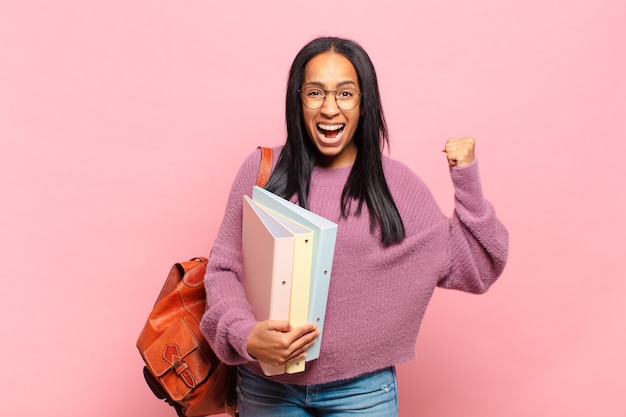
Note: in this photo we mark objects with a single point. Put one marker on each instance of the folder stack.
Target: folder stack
(287, 261)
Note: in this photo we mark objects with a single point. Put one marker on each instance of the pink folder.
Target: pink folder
(268, 250)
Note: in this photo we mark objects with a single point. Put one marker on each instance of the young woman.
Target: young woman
(394, 247)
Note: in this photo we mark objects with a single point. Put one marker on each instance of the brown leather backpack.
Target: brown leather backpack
(181, 368)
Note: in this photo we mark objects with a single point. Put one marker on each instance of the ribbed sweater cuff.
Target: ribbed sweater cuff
(238, 335)
(468, 188)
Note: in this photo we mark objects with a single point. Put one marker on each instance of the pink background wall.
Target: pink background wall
(122, 124)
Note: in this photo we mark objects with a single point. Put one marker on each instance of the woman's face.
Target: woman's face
(330, 127)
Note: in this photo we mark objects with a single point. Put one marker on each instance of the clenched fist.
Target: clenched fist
(460, 151)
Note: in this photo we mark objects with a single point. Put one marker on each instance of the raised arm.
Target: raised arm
(479, 242)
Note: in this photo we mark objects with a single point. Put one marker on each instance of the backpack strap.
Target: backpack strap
(265, 169)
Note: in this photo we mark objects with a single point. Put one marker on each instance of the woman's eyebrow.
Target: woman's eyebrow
(322, 85)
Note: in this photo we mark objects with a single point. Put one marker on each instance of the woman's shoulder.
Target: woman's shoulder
(412, 196)
(398, 171)
(253, 160)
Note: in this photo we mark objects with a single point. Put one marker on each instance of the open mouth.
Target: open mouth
(330, 131)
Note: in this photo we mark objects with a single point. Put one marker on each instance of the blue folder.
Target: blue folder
(324, 237)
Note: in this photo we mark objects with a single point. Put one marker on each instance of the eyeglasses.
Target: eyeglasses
(346, 98)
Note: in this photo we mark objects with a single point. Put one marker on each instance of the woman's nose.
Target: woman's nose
(329, 107)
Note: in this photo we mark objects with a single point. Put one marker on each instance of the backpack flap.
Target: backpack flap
(178, 361)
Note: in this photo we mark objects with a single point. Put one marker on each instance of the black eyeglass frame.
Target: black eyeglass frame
(323, 100)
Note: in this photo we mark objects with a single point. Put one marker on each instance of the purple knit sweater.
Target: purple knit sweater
(378, 295)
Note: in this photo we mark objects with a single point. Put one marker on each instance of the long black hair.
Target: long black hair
(366, 182)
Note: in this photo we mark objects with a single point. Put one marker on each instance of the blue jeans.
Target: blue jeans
(370, 395)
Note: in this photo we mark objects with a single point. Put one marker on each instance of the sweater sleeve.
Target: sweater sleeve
(228, 320)
(479, 242)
